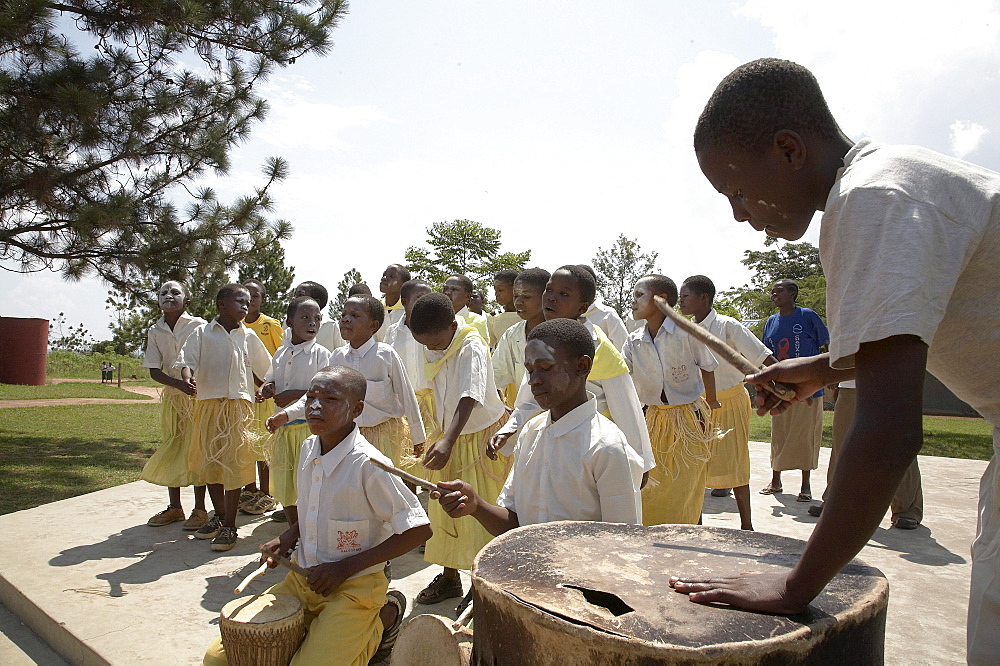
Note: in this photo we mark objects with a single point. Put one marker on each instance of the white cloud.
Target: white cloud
(965, 137)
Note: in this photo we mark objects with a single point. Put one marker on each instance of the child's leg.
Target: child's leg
(175, 496)
(263, 472)
(292, 513)
(199, 497)
(806, 488)
(742, 495)
(232, 506)
(217, 492)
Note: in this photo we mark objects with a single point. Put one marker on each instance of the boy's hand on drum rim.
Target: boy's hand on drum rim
(760, 592)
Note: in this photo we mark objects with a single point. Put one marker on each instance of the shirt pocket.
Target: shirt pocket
(377, 392)
(347, 537)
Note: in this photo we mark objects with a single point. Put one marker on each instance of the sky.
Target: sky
(565, 124)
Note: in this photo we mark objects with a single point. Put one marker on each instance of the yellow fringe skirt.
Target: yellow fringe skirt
(222, 444)
(682, 444)
(730, 463)
(168, 466)
(391, 437)
(261, 412)
(283, 450)
(456, 541)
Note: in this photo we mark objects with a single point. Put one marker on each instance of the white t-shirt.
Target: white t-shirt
(577, 468)
(163, 345)
(739, 337)
(910, 241)
(466, 373)
(293, 366)
(411, 353)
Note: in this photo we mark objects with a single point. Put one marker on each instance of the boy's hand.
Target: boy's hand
(763, 593)
(715, 404)
(265, 392)
(461, 501)
(189, 386)
(806, 375)
(276, 546)
(438, 455)
(496, 443)
(275, 421)
(327, 577)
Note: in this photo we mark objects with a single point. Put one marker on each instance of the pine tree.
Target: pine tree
(618, 269)
(462, 247)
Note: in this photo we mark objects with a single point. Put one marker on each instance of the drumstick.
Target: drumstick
(406, 476)
(285, 562)
(246, 581)
(733, 357)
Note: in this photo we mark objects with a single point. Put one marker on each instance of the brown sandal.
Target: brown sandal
(770, 490)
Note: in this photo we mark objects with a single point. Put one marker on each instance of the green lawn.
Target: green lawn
(51, 453)
(67, 390)
(946, 436)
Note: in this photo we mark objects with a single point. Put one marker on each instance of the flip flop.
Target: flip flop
(804, 497)
(769, 490)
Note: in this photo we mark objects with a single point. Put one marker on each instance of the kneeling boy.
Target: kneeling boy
(355, 517)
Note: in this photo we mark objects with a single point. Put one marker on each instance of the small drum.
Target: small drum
(432, 640)
(598, 593)
(263, 630)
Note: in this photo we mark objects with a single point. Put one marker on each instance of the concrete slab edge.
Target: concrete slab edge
(54, 633)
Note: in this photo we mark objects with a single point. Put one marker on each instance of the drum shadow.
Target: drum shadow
(916, 546)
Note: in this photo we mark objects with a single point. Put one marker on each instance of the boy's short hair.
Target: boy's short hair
(661, 285)
(404, 273)
(410, 285)
(570, 336)
(352, 380)
(758, 99)
(432, 313)
(789, 284)
(315, 291)
(585, 281)
(228, 290)
(372, 306)
(590, 269)
(699, 284)
(260, 285)
(359, 289)
(506, 276)
(293, 305)
(464, 280)
(534, 277)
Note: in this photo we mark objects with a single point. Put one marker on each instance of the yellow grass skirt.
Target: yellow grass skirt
(796, 434)
(730, 463)
(391, 437)
(510, 395)
(283, 450)
(168, 466)
(682, 445)
(456, 541)
(222, 443)
(261, 412)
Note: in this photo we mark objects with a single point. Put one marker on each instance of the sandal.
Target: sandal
(770, 490)
(440, 588)
(389, 634)
(804, 497)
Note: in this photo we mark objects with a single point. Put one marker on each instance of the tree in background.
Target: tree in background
(97, 145)
(336, 305)
(795, 261)
(465, 247)
(618, 269)
(267, 265)
(63, 335)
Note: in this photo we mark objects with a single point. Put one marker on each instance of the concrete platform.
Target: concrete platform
(98, 586)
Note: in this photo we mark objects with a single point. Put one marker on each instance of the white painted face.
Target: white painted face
(171, 296)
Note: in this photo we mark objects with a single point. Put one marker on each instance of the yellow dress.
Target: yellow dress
(168, 466)
(730, 463)
(283, 461)
(222, 444)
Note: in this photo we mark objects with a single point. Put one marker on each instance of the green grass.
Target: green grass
(67, 390)
(945, 436)
(51, 453)
(74, 365)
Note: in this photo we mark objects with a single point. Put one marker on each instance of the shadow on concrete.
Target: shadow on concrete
(916, 546)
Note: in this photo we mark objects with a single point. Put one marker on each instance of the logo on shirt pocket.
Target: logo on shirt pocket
(347, 541)
(347, 536)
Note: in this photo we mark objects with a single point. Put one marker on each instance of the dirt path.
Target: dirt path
(150, 391)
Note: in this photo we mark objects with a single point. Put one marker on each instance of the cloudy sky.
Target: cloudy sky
(564, 124)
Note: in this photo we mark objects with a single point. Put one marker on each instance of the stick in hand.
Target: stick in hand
(246, 581)
(285, 562)
(728, 354)
(406, 476)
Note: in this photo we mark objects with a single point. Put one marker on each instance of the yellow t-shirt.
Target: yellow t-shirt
(269, 330)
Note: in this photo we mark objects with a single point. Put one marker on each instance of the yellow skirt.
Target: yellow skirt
(391, 437)
(222, 443)
(682, 445)
(510, 395)
(456, 541)
(796, 434)
(730, 463)
(168, 466)
(261, 412)
(283, 450)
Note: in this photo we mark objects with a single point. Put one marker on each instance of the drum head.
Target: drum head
(428, 640)
(261, 608)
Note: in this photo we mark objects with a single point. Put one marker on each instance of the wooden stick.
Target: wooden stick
(406, 476)
(285, 562)
(246, 581)
(728, 354)
(463, 619)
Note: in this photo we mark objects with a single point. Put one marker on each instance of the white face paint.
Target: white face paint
(313, 407)
(171, 296)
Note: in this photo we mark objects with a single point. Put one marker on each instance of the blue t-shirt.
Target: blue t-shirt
(801, 333)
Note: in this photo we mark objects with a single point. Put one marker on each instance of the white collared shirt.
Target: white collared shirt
(224, 362)
(411, 353)
(163, 344)
(609, 321)
(391, 317)
(671, 364)
(739, 337)
(294, 366)
(347, 505)
(467, 373)
(508, 357)
(577, 468)
(328, 335)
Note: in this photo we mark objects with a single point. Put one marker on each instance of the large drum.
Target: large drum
(263, 630)
(598, 593)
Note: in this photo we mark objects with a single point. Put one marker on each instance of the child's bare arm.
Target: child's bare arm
(282, 545)
(286, 398)
(884, 439)
(464, 501)
(275, 421)
(158, 375)
(708, 377)
(188, 378)
(439, 454)
(327, 577)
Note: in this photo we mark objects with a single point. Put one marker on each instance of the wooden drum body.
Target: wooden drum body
(262, 630)
(598, 593)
